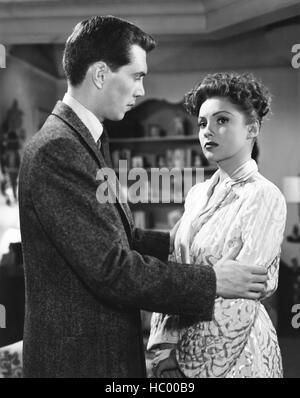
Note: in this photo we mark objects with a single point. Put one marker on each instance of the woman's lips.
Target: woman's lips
(211, 145)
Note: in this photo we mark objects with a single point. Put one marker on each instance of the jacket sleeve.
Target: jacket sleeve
(88, 236)
(153, 243)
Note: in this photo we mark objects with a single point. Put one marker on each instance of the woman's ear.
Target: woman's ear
(99, 71)
(253, 130)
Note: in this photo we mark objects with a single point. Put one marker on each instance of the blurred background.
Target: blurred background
(194, 37)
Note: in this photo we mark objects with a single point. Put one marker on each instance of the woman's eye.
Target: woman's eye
(202, 125)
(222, 120)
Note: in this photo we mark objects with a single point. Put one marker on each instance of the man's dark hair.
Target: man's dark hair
(101, 38)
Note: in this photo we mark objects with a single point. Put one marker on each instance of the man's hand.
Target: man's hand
(236, 280)
(172, 235)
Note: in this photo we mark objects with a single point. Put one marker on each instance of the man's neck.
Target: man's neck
(85, 98)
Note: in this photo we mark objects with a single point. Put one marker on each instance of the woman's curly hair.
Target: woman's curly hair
(243, 90)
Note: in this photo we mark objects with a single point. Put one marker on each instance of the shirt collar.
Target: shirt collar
(241, 174)
(87, 117)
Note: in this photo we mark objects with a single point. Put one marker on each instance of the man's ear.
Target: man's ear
(253, 130)
(99, 71)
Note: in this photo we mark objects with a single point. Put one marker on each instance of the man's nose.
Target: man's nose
(140, 92)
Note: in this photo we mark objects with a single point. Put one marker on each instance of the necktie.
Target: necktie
(103, 147)
(100, 147)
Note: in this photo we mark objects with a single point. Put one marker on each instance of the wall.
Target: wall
(35, 91)
(36, 94)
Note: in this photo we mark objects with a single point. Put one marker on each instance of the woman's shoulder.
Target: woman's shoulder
(199, 187)
(259, 186)
(202, 187)
(197, 191)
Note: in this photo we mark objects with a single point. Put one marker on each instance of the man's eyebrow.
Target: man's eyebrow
(141, 74)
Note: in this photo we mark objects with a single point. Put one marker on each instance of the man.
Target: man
(88, 270)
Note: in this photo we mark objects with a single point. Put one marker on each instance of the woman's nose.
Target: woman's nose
(208, 132)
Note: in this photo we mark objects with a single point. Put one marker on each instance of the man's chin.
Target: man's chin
(117, 118)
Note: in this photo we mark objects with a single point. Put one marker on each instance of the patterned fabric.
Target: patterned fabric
(245, 216)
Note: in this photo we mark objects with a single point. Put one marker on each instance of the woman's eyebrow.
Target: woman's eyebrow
(214, 114)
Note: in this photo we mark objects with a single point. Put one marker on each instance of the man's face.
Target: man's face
(122, 87)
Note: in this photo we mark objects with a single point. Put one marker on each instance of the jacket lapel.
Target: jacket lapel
(67, 115)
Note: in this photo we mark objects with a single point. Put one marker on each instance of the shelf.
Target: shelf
(186, 138)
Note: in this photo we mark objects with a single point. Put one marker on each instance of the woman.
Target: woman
(236, 213)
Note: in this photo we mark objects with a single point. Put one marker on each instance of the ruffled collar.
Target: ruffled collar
(193, 219)
(241, 174)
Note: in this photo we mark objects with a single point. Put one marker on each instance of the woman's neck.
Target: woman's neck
(228, 166)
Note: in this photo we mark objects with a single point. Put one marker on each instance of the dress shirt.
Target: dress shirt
(87, 117)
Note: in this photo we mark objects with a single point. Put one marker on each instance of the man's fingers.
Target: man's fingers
(236, 279)
(259, 278)
(253, 295)
(257, 287)
(231, 255)
(258, 270)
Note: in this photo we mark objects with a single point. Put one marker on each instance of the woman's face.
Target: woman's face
(223, 131)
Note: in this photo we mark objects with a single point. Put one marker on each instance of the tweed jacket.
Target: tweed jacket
(88, 271)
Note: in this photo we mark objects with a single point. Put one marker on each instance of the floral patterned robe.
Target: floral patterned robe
(244, 215)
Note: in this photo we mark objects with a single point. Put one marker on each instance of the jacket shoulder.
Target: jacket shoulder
(54, 133)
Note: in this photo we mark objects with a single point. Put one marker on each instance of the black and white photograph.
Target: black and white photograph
(150, 191)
